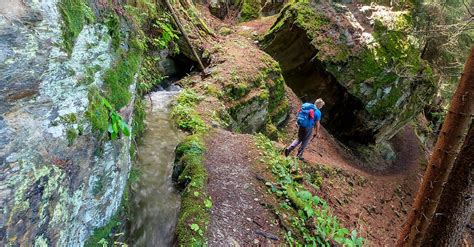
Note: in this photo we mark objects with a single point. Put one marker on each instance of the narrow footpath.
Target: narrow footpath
(372, 198)
(238, 216)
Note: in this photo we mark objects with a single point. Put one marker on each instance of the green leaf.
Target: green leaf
(124, 127)
(113, 135)
(126, 130)
(110, 129)
(304, 195)
(342, 232)
(309, 210)
(196, 193)
(103, 242)
(115, 127)
(106, 103)
(208, 203)
(194, 227)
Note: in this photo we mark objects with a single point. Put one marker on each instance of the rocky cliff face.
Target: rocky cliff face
(58, 179)
(361, 59)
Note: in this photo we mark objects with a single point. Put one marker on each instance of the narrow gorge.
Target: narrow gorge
(111, 133)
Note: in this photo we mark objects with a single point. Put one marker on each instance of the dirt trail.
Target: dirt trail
(373, 201)
(237, 217)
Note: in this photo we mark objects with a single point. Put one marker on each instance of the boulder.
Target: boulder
(366, 68)
(219, 8)
(272, 7)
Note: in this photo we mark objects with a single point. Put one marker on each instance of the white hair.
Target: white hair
(319, 102)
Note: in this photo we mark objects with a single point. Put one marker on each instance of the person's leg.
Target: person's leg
(295, 143)
(305, 141)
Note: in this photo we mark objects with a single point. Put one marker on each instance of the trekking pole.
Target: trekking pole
(314, 150)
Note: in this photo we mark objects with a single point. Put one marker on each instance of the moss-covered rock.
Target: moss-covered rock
(218, 8)
(373, 80)
(61, 180)
(255, 99)
(75, 14)
(250, 10)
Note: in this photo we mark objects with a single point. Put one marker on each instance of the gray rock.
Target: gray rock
(219, 8)
(47, 192)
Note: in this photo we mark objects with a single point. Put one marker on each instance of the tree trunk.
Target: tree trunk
(445, 151)
(456, 205)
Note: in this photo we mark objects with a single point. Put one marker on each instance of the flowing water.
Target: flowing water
(155, 201)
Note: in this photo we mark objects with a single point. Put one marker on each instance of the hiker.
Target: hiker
(308, 117)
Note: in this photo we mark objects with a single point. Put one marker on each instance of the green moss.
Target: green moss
(149, 76)
(225, 31)
(185, 115)
(75, 14)
(112, 21)
(89, 75)
(212, 90)
(315, 24)
(103, 117)
(387, 103)
(237, 90)
(195, 204)
(138, 124)
(71, 135)
(278, 105)
(260, 97)
(280, 112)
(380, 65)
(250, 10)
(120, 76)
(103, 235)
(197, 21)
(142, 12)
(271, 131)
(97, 113)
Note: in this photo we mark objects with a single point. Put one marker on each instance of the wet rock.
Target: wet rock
(219, 8)
(166, 64)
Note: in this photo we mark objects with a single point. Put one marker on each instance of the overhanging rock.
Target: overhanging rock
(368, 69)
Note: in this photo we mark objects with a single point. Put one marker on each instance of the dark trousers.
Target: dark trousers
(304, 135)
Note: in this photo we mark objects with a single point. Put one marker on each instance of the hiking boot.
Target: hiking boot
(301, 158)
(287, 152)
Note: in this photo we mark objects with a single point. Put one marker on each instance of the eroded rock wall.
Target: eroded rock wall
(58, 181)
(361, 59)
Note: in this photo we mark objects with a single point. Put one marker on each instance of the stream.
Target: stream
(154, 200)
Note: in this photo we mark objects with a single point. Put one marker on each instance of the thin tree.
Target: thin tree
(456, 204)
(441, 162)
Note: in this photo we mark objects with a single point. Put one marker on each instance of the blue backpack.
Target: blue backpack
(303, 118)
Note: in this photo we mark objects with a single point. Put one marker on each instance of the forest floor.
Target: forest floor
(372, 198)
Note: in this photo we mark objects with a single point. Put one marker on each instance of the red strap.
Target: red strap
(311, 114)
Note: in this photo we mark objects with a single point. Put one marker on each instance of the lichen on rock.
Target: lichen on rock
(377, 68)
(49, 158)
